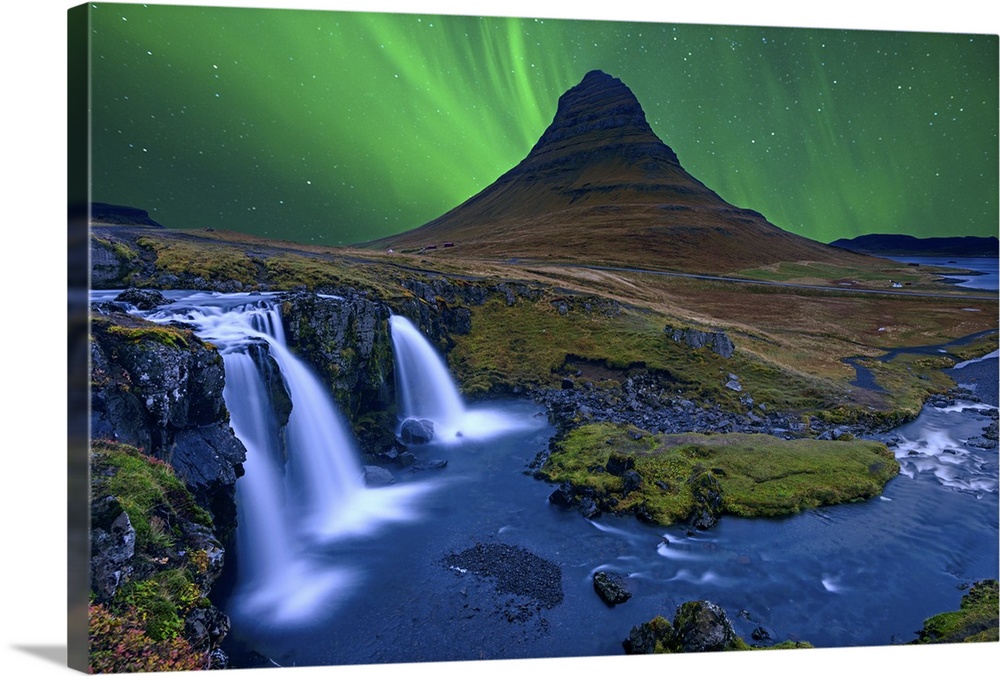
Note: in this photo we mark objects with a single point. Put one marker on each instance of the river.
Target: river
(853, 575)
(863, 574)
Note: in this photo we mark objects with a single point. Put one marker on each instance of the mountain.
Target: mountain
(115, 214)
(599, 186)
(907, 245)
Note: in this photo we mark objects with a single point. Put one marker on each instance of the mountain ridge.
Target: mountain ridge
(908, 245)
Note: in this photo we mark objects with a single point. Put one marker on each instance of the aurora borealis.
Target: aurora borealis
(334, 127)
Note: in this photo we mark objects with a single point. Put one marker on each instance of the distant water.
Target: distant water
(987, 267)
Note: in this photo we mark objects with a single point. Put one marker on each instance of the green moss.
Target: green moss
(976, 620)
(756, 475)
(142, 485)
(531, 343)
(289, 272)
(121, 250)
(208, 260)
(142, 626)
(976, 348)
(164, 335)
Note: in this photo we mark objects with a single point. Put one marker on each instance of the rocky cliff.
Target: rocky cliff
(163, 465)
(159, 388)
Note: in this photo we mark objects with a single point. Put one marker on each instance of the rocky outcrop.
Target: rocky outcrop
(116, 214)
(717, 341)
(154, 560)
(112, 263)
(441, 307)
(698, 626)
(707, 496)
(159, 388)
(346, 342)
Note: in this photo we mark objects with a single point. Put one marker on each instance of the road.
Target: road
(978, 295)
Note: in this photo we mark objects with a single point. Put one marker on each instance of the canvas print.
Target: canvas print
(413, 338)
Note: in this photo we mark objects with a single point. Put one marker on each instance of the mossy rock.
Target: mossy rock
(976, 621)
(695, 478)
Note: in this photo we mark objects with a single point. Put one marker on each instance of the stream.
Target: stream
(385, 588)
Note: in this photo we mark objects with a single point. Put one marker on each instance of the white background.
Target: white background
(33, 371)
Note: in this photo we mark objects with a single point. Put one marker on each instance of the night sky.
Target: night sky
(340, 127)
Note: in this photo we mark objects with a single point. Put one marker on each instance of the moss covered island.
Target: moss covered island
(671, 478)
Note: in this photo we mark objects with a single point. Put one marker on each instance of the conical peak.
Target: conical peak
(600, 109)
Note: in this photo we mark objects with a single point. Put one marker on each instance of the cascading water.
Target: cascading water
(423, 382)
(426, 390)
(285, 507)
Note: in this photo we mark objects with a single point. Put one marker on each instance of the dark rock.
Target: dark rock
(589, 508)
(416, 431)
(718, 341)
(631, 480)
(563, 496)
(377, 476)
(702, 626)
(430, 464)
(162, 392)
(619, 463)
(209, 460)
(205, 628)
(649, 637)
(760, 634)
(707, 496)
(347, 343)
(112, 546)
(141, 299)
(611, 587)
(218, 659)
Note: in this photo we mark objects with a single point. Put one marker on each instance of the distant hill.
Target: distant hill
(599, 186)
(907, 245)
(114, 214)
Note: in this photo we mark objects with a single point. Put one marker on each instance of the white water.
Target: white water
(426, 390)
(286, 507)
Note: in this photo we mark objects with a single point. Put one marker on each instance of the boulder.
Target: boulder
(702, 626)
(377, 476)
(611, 587)
(707, 494)
(618, 464)
(698, 626)
(649, 637)
(416, 431)
(717, 341)
(142, 299)
(631, 480)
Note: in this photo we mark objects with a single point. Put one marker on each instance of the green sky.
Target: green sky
(339, 127)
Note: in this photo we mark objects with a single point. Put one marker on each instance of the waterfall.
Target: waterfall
(424, 385)
(318, 496)
(426, 390)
